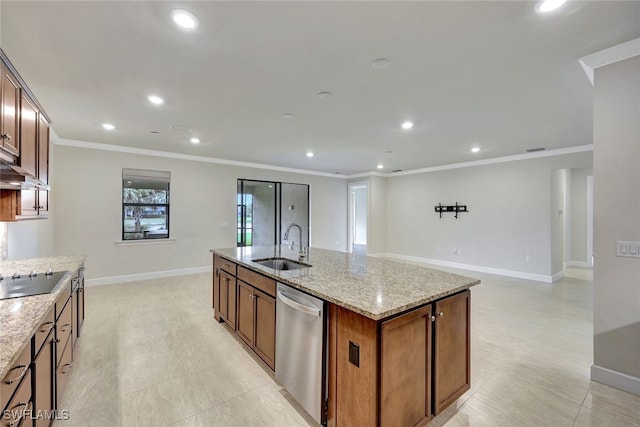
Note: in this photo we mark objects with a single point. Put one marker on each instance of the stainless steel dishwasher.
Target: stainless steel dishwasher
(301, 348)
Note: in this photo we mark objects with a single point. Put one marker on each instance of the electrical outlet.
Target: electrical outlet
(459, 251)
(628, 249)
(528, 259)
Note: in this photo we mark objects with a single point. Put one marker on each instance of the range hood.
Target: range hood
(13, 177)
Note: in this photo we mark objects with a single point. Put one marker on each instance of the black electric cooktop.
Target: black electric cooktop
(24, 286)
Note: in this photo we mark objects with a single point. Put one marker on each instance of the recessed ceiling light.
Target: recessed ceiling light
(108, 126)
(309, 153)
(544, 6)
(155, 100)
(380, 165)
(475, 149)
(184, 19)
(380, 63)
(324, 94)
(407, 125)
(195, 140)
(287, 115)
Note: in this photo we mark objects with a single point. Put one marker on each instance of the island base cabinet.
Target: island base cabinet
(265, 339)
(452, 341)
(405, 368)
(398, 372)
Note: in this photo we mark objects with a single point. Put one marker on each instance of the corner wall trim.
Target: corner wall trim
(146, 276)
(615, 379)
(491, 270)
(559, 275)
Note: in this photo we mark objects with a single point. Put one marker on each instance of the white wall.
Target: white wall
(296, 196)
(88, 199)
(361, 209)
(616, 285)
(509, 216)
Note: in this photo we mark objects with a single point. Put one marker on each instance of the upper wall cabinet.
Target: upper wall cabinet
(10, 119)
(24, 130)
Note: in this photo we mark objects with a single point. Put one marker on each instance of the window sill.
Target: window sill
(145, 242)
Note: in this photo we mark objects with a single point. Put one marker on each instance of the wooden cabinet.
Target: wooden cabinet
(405, 380)
(452, 344)
(34, 157)
(15, 378)
(228, 298)
(43, 370)
(79, 304)
(245, 300)
(246, 313)
(256, 322)
(400, 371)
(9, 112)
(265, 327)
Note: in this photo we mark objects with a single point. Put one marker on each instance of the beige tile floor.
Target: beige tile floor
(151, 355)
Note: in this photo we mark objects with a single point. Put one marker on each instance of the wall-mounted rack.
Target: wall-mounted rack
(451, 208)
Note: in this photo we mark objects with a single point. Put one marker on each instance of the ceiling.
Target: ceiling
(496, 75)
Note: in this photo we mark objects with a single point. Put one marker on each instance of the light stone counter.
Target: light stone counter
(374, 287)
(20, 317)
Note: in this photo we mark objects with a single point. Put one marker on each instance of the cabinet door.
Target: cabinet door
(246, 310)
(43, 164)
(80, 304)
(224, 286)
(215, 303)
(9, 120)
(452, 349)
(43, 392)
(28, 136)
(405, 380)
(265, 327)
(231, 302)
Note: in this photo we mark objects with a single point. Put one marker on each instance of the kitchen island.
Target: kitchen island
(398, 334)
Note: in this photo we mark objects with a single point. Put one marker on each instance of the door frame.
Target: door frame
(351, 207)
(589, 220)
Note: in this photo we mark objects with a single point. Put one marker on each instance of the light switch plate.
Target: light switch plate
(628, 249)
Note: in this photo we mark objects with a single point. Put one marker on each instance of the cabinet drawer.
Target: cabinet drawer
(20, 406)
(18, 371)
(63, 372)
(226, 265)
(265, 284)
(63, 331)
(43, 331)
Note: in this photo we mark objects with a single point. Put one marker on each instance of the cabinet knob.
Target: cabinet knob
(433, 318)
(6, 136)
(441, 314)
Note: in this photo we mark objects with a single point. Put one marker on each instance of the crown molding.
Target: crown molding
(608, 56)
(165, 154)
(178, 156)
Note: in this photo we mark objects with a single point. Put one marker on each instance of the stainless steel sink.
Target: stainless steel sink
(278, 263)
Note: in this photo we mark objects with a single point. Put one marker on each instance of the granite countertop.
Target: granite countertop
(20, 317)
(373, 287)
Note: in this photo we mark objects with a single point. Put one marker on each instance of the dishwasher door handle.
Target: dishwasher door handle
(307, 309)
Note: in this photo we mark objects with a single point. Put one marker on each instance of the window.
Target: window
(145, 204)
(245, 220)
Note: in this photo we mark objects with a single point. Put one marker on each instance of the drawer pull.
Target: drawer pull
(19, 377)
(66, 327)
(69, 365)
(16, 421)
(44, 329)
(6, 136)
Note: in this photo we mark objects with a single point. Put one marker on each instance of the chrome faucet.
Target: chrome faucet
(286, 235)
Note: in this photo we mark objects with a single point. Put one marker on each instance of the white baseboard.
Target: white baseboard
(615, 379)
(582, 264)
(497, 271)
(559, 275)
(146, 276)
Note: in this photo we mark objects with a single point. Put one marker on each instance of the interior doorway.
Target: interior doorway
(358, 213)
